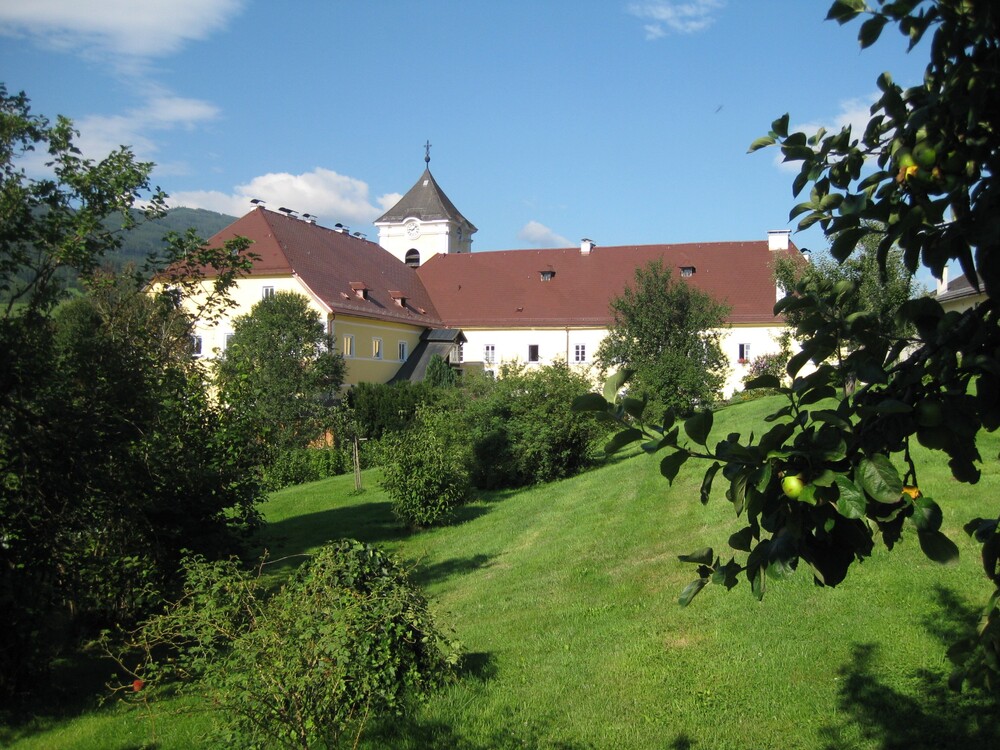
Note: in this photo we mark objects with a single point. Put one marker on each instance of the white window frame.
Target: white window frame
(267, 292)
(534, 349)
(404, 351)
(490, 354)
(376, 347)
(579, 353)
(348, 348)
(197, 344)
(743, 353)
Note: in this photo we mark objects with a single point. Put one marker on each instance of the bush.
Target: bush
(300, 465)
(381, 408)
(348, 638)
(426, 472)
(524, 430)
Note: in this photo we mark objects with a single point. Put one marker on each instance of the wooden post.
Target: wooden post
(357, 466)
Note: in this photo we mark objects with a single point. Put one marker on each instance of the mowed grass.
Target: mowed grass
(564, 597)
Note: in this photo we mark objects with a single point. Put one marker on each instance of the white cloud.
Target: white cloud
(322, 192)
(134, 28)
(667, 16)
(100, 134)
(539, 235)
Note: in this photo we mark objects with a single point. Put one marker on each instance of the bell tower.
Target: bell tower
(424, 222)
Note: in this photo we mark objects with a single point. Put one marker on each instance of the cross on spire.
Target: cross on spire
(427, 152)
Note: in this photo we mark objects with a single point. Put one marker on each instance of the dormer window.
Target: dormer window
(398, 297)
(547, 275)
(360, 289)
(687, 271)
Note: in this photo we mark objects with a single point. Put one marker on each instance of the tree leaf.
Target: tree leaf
(699, 426)
(767, 140)
(763, 381)
(927, 514)
(851, 503)
(622, 439)
(742, 540)
(871, 30)
(615, 383)
(590, 402)
(672, 463)
(879, 478)
(703, 556)
(691, 591)
(706, 482)
(938, 547)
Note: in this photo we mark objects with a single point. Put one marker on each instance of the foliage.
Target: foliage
(110, 453)
(380, 408)
(300, 465)
(668, 333)
(426, 474)
(830, 479)
(772, 363)
(439, 373)
(346, 639)
(279, 376)
(523, 430)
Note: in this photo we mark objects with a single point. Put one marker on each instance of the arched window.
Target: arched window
(413, 257)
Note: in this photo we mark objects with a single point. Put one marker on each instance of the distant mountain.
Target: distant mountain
(148, 235)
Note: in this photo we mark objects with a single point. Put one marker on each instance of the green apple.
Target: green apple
(792, 486)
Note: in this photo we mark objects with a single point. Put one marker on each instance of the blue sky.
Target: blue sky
(625, 122)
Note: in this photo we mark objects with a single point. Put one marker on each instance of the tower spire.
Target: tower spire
(427, 152)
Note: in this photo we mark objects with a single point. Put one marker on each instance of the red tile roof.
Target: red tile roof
(332, 264)
(505, 289)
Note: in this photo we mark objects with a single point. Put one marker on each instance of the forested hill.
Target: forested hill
(148, 235)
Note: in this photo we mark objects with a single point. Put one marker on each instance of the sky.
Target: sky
(623, 121)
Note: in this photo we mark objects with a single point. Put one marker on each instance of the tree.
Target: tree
(668, 333)
(863, 286)
(279, 376)
(109, 455)
(824, 484)
(439, 373)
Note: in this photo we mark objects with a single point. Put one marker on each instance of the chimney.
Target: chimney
(586, 246)
(942, 283)
(777, 239)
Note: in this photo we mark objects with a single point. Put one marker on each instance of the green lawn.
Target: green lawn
(564, 597)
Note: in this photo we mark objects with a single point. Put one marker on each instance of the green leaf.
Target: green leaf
(780, 126)
(927, 514)
(879, 478)
(765, 141)
(703, 556)
(634, 407)
(706, 483)
(845, 242)
(871, 30)
(622, 439)
(590, 402)
(672, 463)
(851, 503)
(691, 591)
(892, 406)
(843, 11)
(796, 362)
(699, 426)
(614, 384)
(763, 381)
(742, 539)
(938, 547)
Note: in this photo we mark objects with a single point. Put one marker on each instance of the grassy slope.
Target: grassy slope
(565, 598)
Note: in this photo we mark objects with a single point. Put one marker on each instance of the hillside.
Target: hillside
(148, 235)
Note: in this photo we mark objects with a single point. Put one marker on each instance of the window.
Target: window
(460, 352)
(580, 353)
(489, 354)
(377, 348)
(403, 351)
(547, 275)
(687, 271)
(267, 292)
(532, 352)
(744, 353)
(348, 346)
(196, 346)
(413, 257)
(229, 339)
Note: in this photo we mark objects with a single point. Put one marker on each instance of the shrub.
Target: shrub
(300, 465)
(381, 408)
(425, 473)
(524, 430)
(348, 638)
